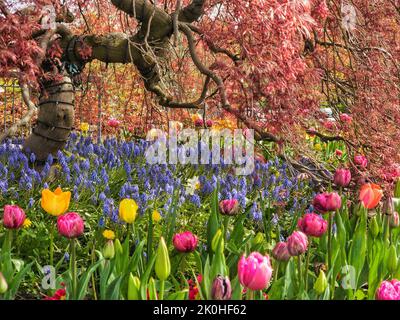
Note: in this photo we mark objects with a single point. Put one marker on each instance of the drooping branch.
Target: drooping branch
(25, 119)
(261, 134)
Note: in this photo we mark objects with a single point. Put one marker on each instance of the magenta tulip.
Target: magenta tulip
(325, 202)
(229, 207)
(185, 241)
(281, 252)
(342, 177)
(389, 290)
(312, 225)
(361, 161)
(255, 271)
(14, 217)
(198, 122)
(209, 123)
(297, 243)
(70, 225)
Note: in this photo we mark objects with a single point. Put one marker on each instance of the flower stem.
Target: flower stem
(51, 249)
(277, 270)
(299, 273)
(73, 269)
(330, 240)
(161, 295)
(226, 221)
(306, 270)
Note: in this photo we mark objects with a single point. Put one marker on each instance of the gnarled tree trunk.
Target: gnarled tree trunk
(55, 119)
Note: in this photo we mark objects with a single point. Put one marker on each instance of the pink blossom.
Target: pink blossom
(312, 225)
(14, 217)
(185, 241)
(255, 271)
(70, 225)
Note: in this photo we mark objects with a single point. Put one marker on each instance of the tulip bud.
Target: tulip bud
(297, 243)
(374, 227)
(215, 240)
(388, 207)
(221, 288)
(392, 259)
(280, 252)
(258, 239)
(118, 247)
(321, 283)
(162, 264)
(394, 220)
(3, 284)
(108, 250)
(133, 287)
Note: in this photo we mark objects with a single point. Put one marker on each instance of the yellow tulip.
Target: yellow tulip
(55, 203)
(128, 210)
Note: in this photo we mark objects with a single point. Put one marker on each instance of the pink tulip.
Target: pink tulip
(70, 225)
(389, 290)
(342, 177)
(361, 161)
(344, 117)
(113, 123)
(185, 241)
(209, 123)
(255, 271)
(281, 252)
(14, 217)
(325, 202)
(297, 243)
(229, 207)
(312, 225)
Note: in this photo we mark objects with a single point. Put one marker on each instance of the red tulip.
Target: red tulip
(312, 225)
(370, 195)
(338, 152)
(70, 225)
(342, 177)
(209, 123)
(185, 241)
(14, 217)
(113, 123)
